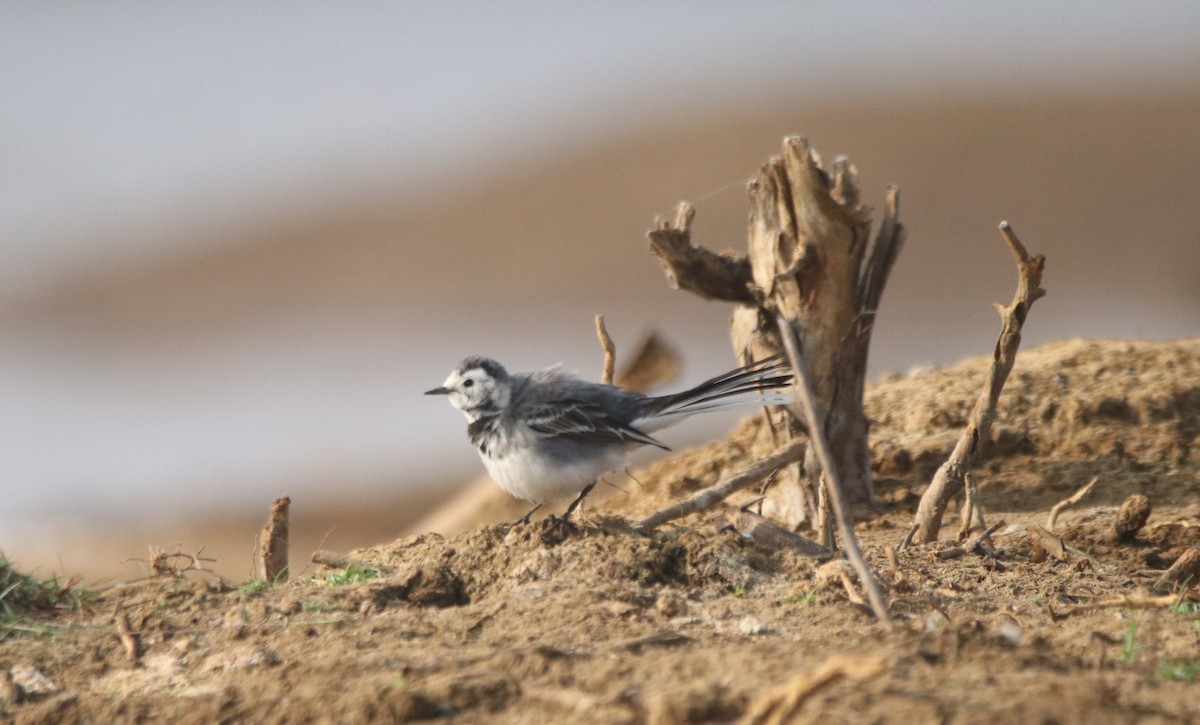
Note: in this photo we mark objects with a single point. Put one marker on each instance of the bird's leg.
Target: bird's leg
(525, 519)
(579, 499)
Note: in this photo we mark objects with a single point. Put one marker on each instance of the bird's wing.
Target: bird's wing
(585, 421)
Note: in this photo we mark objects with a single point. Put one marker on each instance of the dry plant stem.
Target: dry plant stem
(1069, 502)
(964, 529)
(948, 480)
(805, 408)
(610, 351)
(713, 495)
(273, 543)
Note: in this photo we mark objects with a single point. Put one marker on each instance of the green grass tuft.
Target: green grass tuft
(353, 574)
(1180, 670)
(24, 598)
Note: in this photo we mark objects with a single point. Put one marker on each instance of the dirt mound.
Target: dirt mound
(535, 623)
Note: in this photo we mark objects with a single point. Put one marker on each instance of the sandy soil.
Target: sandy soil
(692, 624)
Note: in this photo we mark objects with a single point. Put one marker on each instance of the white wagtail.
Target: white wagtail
(545, 435)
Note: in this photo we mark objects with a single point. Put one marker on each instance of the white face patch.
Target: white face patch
(475, 392)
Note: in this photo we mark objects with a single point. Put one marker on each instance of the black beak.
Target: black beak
(438, 391)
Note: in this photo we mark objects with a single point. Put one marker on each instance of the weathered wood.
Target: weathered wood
(804, 407)
(273, 544)
(1183, 574)
(1066, 503)
(695, 269)
(811, 261)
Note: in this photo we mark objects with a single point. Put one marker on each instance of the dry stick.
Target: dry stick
(949, 478)
(610, 352)
(964, 529)
(783, 703)
(824, 515)
(1069, 502)
(986, 536)
(1133, 601)
(748, 476)
(806, 409)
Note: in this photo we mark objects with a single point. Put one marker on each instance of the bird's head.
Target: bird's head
(478, 386)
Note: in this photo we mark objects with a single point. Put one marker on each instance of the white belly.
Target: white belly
(525, 474)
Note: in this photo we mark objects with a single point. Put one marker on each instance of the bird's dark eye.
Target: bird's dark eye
(468, 383)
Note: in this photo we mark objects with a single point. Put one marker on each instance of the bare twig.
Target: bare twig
(805, 407)
(952, 552)
(162, 564)
(824, 520)
(748, 476)
(610, 351)
(906, 540)
(1066, 503)
(273, 543)
(964, 529)
(695, 269)
(983, 542)
(783, 703)
(1137, 600)
(949, 479)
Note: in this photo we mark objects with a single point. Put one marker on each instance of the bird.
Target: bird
(545, 435)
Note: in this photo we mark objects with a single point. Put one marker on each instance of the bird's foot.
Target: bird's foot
(557, 529)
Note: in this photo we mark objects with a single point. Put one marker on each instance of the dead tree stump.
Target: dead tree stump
(811, 263)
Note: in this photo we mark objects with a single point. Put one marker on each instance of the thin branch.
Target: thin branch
(1137, 600)
(964, 529)
(805, 407)
(610, 351)
(709, 497)
(695, 269)
(949, 479)
(1069, 502)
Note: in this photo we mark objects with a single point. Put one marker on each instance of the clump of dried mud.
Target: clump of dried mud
(692, 624)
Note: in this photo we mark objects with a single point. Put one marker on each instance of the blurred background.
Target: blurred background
(238, 240)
